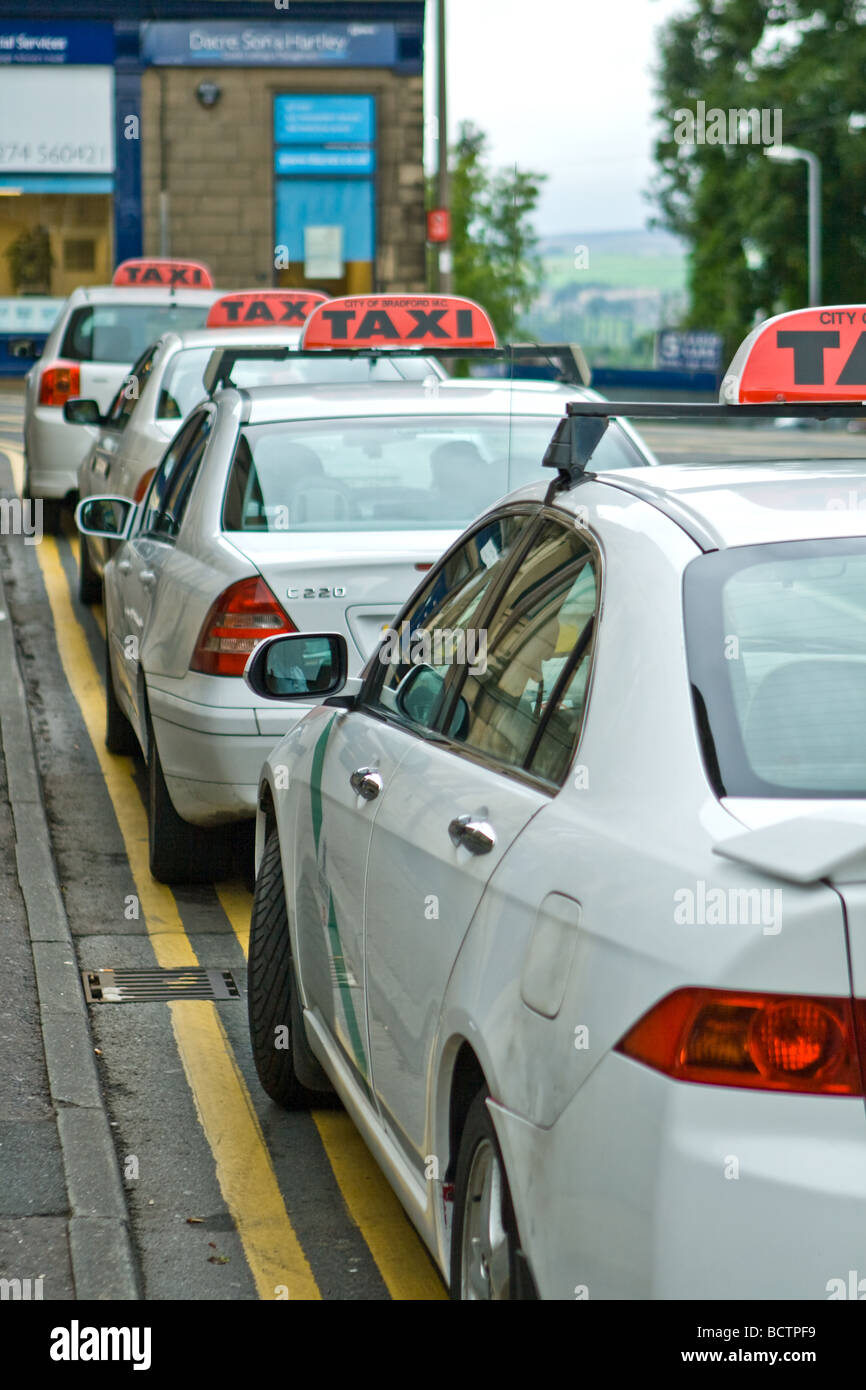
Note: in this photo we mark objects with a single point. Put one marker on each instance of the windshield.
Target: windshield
(389, 474)
(776, 638)
(121, 332)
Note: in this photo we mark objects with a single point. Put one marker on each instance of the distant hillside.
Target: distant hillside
(641, 259)
(610, 291)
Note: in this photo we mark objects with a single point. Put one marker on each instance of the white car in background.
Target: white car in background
(579, 937)
(98, 334)
(181, 369)
(279, 510)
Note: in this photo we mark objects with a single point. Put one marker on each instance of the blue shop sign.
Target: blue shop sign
(215, 43)
(38, 42)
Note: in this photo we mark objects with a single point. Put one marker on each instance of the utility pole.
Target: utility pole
(445, 257)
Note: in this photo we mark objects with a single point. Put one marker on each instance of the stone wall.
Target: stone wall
(219, 164)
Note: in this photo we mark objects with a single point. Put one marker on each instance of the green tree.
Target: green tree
(743, 215)
(493, 239)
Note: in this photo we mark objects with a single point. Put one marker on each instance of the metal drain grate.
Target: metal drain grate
(154, 985)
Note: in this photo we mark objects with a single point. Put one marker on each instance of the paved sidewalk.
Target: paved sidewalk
(63, 1217)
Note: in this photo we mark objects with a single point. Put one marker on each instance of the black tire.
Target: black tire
(179, 852)
(119, 733)
(89, 582)
(291, 1075)
(52, 508)
(509, 1276)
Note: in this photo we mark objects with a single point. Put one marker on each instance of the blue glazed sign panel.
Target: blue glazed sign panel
(324, 161)
(280, 44)
(320, 120)
(346, 203)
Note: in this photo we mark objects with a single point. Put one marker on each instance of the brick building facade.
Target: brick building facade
(219, 178)
(280, 144)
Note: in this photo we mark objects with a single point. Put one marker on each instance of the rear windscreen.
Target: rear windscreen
(335, 371)
(121, 332)
(183, 384)
(776, 638)
(389, 474)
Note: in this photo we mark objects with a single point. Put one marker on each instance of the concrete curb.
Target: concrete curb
(103, 1261)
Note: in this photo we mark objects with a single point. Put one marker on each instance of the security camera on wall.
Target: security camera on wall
(208, 93)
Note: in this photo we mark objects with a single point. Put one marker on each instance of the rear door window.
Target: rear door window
(171, 486)
(521, 706)
(128, 396)
(408, 681)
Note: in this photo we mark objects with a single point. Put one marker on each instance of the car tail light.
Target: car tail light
(243, 615)
(59, 383)
(770, 1042)
(142, 485)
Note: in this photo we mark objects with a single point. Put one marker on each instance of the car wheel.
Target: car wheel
(119, 733)
(51, 512)
(179, 852)
(485, 1258)
(287, 1068)
(89, 582)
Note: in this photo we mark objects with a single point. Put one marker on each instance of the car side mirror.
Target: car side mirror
(419, 696)
(78, 411)
(298, 666)
(106, 517)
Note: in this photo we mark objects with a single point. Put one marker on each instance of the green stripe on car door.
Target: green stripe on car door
(333, 928)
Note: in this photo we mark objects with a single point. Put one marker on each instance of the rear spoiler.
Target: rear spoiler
(567, 359)
(804, 849)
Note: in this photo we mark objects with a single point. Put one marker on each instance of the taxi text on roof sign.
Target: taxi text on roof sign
(152, 271)
(814, 354)
(264, 308)
(399, 321)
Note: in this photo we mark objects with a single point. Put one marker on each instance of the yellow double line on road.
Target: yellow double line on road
(223, 1103)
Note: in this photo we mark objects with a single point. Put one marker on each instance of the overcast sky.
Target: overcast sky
(561, 86)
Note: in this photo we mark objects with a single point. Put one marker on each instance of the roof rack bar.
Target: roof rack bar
(573, 444)
(222, 361)
(567, 358)
(713, 410)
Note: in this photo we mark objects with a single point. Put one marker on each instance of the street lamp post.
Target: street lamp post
(789, 154)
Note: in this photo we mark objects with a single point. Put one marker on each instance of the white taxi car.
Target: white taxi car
(243, 342)
(278, 510)
(99, 333)
(578, 931)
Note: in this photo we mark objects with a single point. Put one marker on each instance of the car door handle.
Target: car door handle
(147, 578)
(124, 566)
(478, 836)
(367, 782)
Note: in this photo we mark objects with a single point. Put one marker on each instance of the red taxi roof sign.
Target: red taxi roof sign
(264, 308)
(816, 354)
(153, 271)
(399, 321)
